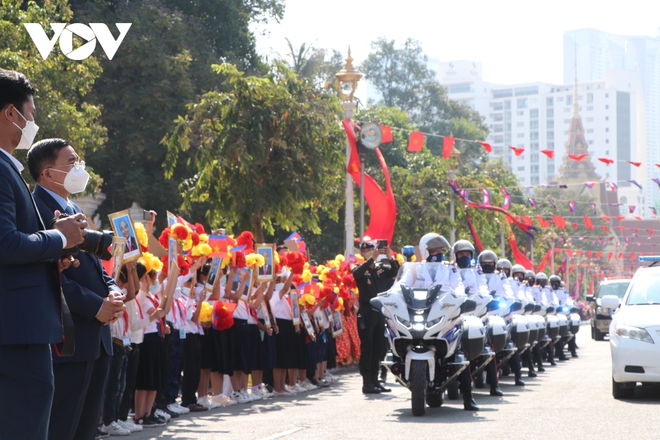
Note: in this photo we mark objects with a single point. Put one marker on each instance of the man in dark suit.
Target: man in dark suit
(93, 297)
(267, 268)
(31, 313)
(131, 245)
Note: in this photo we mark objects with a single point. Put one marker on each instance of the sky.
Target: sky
(517, 41)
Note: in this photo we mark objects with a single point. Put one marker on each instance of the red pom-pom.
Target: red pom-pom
(164, 238)
(180, 232)
(184, 267)
(297, 280)
(246, 238)
(199, 228)
(283, 260)
(223, 318)
(240, 260)
(348, 281)
(164, 259)
(195, 238)
(295, 262)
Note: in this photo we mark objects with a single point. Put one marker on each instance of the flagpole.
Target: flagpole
(552, 256)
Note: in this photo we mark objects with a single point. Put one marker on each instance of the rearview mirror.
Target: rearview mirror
(609, 302)
(376, 304)
(591, 298)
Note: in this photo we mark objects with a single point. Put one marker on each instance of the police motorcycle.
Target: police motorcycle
(476, 288)
(569, 319)
(431, 342)
(535, 323)
(553, 322)
(507, 307)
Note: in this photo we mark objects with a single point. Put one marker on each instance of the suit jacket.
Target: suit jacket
(133, 244)
(84, 288)
(29, 286)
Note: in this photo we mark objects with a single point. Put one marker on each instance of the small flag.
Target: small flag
(552, 203)
(634, 182)
(564, 186)
(387, 133)
(589, 184)
(587, 222)
(571, 206)
(637, 164)
(631, 209)
(656, 180)
(549, 153)
(607, 218)
(613, 186)
(517, 151)
(447, 146)
(532, 201)
(416, 141)
(654, 211)
(486, 146)
(485, 200)
(578, 157)
(593, 206)
(605, 160)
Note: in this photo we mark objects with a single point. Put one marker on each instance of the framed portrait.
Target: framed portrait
(328, 314)
(171, 246)
(213, 275)
(122, 225)
(337, 325)
(265, 313)
(308, 324)
(248, 286)
(118, 245)
(295, 308)
(267, 271)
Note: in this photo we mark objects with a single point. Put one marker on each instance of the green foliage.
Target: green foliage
(265, 152)
(314, 64)
(62, 85)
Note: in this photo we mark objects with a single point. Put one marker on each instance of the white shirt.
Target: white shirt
(137, 319)
(421, 276)
(474, 280)
(147, 304)
(280, 306)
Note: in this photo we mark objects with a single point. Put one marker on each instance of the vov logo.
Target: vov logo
(91, 34)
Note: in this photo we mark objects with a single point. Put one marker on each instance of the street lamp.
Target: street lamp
(452, 215)
(346, 84)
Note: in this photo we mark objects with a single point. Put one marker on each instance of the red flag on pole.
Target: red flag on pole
(387, 133)
(544, 261)
(416, 141)
(486, 146)
(447, 146)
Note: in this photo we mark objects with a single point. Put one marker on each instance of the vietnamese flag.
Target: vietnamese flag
(637, 164)
(486, 146)
(387, 133)
(517, 150)
(606, 160)
(218, 245)
(610, 255)
(549, 153)
(587, 222)
(559, 221)
(416, 142)
(447, 146)
(578, 157)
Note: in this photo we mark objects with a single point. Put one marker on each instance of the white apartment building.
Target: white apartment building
(536, 116)
(599, 54)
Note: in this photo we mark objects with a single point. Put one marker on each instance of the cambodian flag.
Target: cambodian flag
(506, 198)
(634, 182)
(631, 208)
(613, 186)
(552, 203)
(532, 202)
(295, 237)
(593, 206)
(571, 205)
(485, 197)
(656, 180)
(653, 210)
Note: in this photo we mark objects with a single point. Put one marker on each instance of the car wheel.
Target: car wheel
(621, 391)
(598, 335)
(593, 332)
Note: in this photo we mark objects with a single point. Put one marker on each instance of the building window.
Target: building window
(534, 113)
(522, 103)
(567, 121)
(590, 98)
(548, 101)
(590, 108)
(551, 124)
(498, 139)
(533, 124)
(534, 135)
(507, 126)
(520, 113)
(522, 91)
(507, 138)
(607, 118)
(534, 168)
(521, 168)
(607, 152)
(550, 169)
(497, 117)
(464, 88)
(498, 105)
(607, 129)
(607, 141)
(534, 158)
(607, 107)
(507, 116)
(503, 93)
(550, 113)
(550, 135)
(534, 146)
(534, 180)
(520, 124)
(590, 119)
(507, 105)
(607, 95)
(520, 135)
(591, 142)
(560, 99)
(567, 109)
(565, 132)
(569, 100)
(498, 128)
(590, 130)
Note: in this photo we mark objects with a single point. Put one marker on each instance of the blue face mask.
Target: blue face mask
(463, 261)
(435, 258)
(185, 291)
(154, 287)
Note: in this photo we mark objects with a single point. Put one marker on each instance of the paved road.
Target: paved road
(572, 400)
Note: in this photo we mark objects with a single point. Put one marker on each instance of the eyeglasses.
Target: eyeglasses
(77, 165)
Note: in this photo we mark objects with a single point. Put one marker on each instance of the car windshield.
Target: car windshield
(616, 289)
(645, 289)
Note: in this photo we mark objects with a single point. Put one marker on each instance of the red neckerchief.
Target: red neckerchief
(161, 325)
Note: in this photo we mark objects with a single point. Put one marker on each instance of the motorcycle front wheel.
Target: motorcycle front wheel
(418, 385)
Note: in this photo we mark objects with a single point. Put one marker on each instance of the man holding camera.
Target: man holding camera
(372, 277)
(93, 297)
(31, 312)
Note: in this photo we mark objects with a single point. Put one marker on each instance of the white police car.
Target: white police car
(635, 331)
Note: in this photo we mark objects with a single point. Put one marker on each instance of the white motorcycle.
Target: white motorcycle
(431, 342)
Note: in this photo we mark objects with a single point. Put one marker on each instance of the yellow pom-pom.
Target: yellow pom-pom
(400, 259)
(180, 232)
(150, 262)
(206, 314)
(331, 263)
(306, 276)
(254, 260)
(202, 249)
(187, 245)
(276, 257)
(203, 238)
(413, 258)
(307, 300)
(339, 258)
(141, 234)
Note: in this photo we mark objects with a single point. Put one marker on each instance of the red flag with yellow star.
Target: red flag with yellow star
(416, 141)
(447, 146)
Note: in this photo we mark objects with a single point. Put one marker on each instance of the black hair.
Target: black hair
(139, 267)
(44, 154)
(204, 270)
(15, 89)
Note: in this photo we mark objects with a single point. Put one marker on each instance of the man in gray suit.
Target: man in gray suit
(31, 313)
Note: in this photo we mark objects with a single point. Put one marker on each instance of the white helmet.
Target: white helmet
(432, 240)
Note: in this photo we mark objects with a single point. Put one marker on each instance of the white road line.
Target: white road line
(282, 434)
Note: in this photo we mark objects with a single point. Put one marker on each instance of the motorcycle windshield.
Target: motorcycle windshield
(421, 283)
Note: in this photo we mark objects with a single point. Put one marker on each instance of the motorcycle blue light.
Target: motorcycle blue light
(502, 304)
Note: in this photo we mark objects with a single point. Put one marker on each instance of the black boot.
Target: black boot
(369, 388)
(383, 374)
(519, 381)
(495, 390)
(468, 402)
(532, 373)
(380, 386)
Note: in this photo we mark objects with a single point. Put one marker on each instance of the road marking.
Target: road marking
(282, 434)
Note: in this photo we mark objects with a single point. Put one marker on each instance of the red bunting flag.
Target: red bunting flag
(575, 225)
(605, 228)
(578, 157)
(610, 255)
(620, 228)
(606, 161)
(606, 218)
(632, 256)
(387, 133)
(559, 221)
(579, 252)
(599, 254)
(620, 255)
(590, 254)
(549, 153)
(657, 165)
(416, 142)
(542, 222)
(526, 220)
(447, 146)
(650, 231)
(620, 217)
(486, 146)
(637, 164)
(517, 151)
(587, 222)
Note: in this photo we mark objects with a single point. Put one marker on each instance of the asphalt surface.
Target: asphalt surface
(571, 400)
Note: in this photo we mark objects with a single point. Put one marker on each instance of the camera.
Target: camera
(95, 243)
(147, 215)
(382, 244)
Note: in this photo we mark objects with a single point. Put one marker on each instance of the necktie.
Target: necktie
(69, 209)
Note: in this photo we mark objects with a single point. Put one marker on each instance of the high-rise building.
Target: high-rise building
(537, 116)
(601, 54)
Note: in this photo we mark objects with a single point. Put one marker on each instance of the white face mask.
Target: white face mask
(29, 132)
(223, 280)
(76, 179)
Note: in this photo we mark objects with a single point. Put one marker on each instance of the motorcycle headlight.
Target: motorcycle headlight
(564, 310)
(418, 326)
(630, 332)
(434, 322)
(403, 322)
(602, 311)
